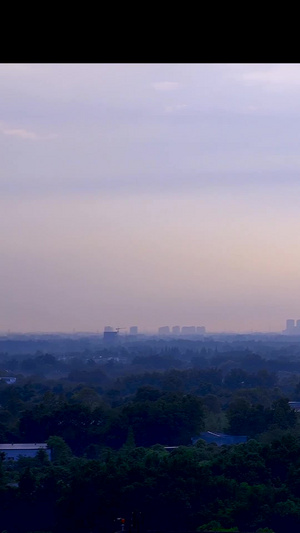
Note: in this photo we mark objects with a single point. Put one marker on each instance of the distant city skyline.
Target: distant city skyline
(149, 194)
(291, 326)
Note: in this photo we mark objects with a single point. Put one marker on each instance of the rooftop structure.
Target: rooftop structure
(220, 438)
(295, 406)
(8, 379)
(16, 450)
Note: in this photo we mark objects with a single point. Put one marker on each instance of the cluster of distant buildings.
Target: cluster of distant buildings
(110, 334)
(184, 330)
(292, 327)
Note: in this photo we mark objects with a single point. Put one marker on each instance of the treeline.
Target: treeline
(121, 361)
(247, 487)
(167, 407)
(108, 417)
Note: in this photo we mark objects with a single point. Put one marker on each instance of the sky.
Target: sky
(149, 195)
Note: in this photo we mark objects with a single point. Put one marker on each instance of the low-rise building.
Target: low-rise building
(295, 406)
(16, 450)
(220, 438)
(8, 379)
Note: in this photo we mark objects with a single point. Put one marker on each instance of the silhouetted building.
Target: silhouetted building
(290, 324)
(188, 330)
(200, 330)
(110, 335)
(164, 330)
(176, 330)
(291, 328)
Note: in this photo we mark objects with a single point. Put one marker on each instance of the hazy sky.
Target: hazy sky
(149, 195)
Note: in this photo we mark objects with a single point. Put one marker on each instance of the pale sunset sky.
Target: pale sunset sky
(149, 195)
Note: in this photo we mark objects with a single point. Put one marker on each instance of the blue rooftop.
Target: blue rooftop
(220, 438)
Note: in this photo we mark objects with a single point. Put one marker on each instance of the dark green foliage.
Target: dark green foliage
(248, 486)
(107, 415)
(251, 420)
(171, 419)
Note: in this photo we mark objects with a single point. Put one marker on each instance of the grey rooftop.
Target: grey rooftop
(24, 446)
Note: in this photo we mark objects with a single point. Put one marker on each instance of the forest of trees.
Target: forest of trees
(108, 415)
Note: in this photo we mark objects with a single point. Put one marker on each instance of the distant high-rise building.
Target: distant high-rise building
(290, 325)
(188, 330)
(176, 330)
(110, 334)
(164, 330)
(133, 330)
(298, 325)
(200, 330)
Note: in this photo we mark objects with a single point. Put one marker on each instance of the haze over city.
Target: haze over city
(149, 194)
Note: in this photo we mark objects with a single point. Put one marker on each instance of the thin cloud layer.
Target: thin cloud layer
(285, 75)
(163, 191)
(23, 134)
(118, 125)
(165, 85)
